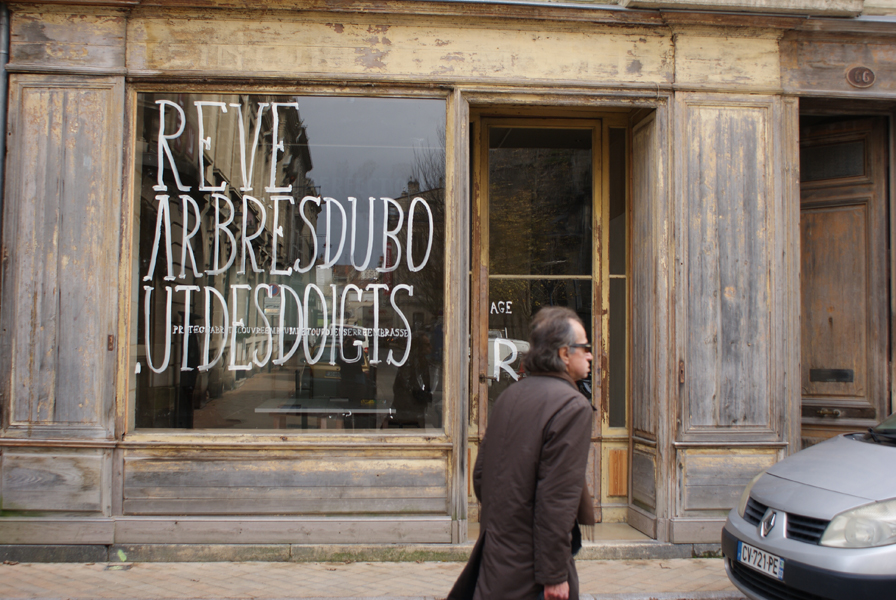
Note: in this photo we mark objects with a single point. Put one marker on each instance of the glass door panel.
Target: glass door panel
(512, 302)
(540, 201)
(538, 233)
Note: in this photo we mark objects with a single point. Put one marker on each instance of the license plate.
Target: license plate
(762, 561)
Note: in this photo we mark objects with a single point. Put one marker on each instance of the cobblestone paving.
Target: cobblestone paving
(674, 578)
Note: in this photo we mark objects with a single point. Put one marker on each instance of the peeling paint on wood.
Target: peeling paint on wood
(811, 63)
(727, 153)
(61, 217)
(51, 482)
(750, 60)
(403, 48)
(727, 214)
(262, 485)
(713, 480)
(89, 39)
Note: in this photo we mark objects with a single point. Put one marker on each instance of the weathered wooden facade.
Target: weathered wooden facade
(736, 160)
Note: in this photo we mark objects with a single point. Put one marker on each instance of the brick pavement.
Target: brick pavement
(678, 579)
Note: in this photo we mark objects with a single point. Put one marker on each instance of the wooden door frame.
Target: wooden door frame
(601, 120)
(856, 108)
(481, 233)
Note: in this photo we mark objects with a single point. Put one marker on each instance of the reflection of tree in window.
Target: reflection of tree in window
(540, 202)
(228, 393)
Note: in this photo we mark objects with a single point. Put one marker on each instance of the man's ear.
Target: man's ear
(564, 354)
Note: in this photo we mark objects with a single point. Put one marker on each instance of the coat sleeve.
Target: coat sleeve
(477, 470)
(561, 476)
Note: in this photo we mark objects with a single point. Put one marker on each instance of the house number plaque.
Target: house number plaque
(861, 77)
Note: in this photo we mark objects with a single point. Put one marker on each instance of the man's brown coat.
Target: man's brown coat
(529, 476)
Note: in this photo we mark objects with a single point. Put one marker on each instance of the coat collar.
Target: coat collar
(557, 374)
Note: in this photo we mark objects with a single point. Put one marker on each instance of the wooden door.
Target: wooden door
(843, 237)
(534, 245)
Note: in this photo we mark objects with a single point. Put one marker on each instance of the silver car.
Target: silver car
(821, 524)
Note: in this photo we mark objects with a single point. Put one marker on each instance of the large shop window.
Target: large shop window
(289, 262)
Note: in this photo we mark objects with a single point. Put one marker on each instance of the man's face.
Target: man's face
(578, 360)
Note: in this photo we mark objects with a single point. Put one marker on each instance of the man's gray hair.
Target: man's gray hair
(551, 330)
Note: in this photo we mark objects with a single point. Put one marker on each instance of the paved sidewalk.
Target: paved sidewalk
(678, 579)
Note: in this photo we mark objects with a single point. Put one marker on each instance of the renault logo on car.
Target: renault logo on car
(768, 522)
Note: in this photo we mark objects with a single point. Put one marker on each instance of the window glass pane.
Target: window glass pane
(617, 259)
(617, 201)
(289, 264)
(512, 304)
(540, 201)
(832, 161)
(617, 352)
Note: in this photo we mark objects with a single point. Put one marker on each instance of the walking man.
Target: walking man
(530, 472)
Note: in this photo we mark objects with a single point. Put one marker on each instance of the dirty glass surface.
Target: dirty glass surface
(288, 263)
(832, 161)
(616, 348)
(513, 303)
(540, 202)
(540, 238)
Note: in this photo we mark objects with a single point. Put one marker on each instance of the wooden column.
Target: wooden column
(61, 239)
(734, 319)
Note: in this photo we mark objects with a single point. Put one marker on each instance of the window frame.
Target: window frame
(130, 282)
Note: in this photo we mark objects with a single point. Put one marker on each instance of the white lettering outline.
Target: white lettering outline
(148, 329)
(247, 241)
(208, 328)
(277, 145)
(358, 343)
(366, 264)
(502, 364)
(205, 143)
(411, 266)
(165, 150)
(164, 219)
(407, 350)
(267, 325)
(328, 260)
(222, 227)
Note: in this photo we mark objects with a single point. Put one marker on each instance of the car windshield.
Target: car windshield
(888, 426)
(885, 433)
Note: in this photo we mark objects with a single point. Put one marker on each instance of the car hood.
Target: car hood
(845, 466)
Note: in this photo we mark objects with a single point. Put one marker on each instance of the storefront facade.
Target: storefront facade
(265, 267)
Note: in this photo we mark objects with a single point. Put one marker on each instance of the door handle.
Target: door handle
(828, 412)
(484, 377)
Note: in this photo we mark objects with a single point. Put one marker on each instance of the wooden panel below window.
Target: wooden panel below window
(618, 473)
(829, 8)
(227, 530)
(713, 480)
(644, 481)
(59, 481)
(285, 486)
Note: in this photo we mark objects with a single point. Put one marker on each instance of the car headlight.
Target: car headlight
(745, 497)
(864, 527)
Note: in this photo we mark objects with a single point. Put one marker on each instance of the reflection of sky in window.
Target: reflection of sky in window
(362, 147)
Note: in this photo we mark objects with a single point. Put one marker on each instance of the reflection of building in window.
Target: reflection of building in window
(168, 399)
(428, 292)
(249, 303)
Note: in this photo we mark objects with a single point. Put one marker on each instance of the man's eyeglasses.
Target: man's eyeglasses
(586, 347)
